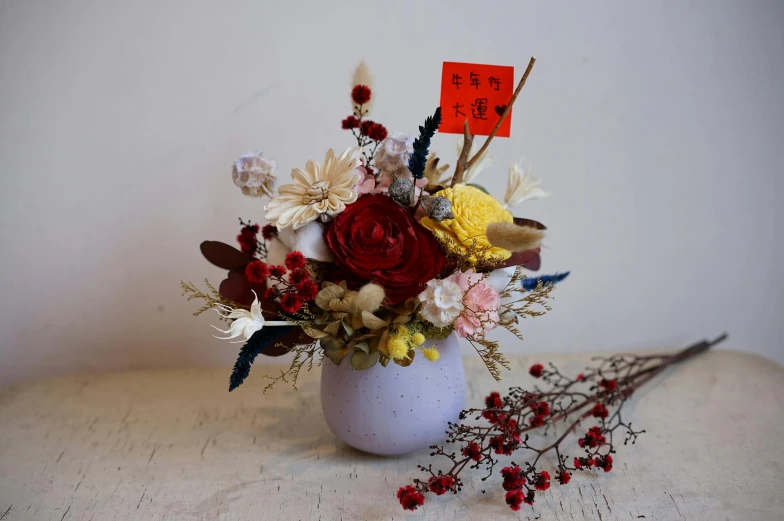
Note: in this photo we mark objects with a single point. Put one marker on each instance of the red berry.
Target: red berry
(349, 123)
(360, 94)
(290, 303)
(536, 370)
(256, 272)
(410, 498)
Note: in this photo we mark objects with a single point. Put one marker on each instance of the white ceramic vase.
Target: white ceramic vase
(395, 410)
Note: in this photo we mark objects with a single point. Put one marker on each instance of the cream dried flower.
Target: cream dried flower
(393, 154)
(319, 191)
(485, 161)
(255, 174)
(442, 302)
(522, 186)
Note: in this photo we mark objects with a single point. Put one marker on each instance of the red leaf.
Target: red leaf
(521, 221)
(529, 260)
(224, 256)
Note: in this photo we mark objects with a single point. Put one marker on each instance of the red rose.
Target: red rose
(377, 239)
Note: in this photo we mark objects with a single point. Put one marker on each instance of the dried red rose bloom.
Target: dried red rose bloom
(349, 123)
(515, 498)
(277, 271)
(493, 401)
(563, 477)
(542, 480)
(410, 498)
(298, 276)
(295, 260)
(373, 238)
(440, 485)
(600, 411)
(256, 272)
(290, 303)
(269, 232)
(536, 370)
(473, 451)
(377, 132)
(360, 94)
(604, 462)
(307, 290)
(610, 385)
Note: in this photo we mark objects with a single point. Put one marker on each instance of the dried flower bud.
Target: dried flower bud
(400, 190)
(255, 174)
(436, 207)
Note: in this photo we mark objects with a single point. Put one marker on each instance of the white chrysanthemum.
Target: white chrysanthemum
(442, 302)
(522, 186)
(245, 322)
(484, 162)
(318, 191)
(255, 174)
(393, 154)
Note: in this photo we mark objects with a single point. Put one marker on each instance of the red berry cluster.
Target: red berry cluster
(440, 485)
(410, 498)
(592, 439)
(299, 287)
(536, 370)
(247, 238)
(562, 406)
(367, 133)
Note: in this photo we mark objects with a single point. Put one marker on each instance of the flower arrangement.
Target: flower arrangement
(377, 249)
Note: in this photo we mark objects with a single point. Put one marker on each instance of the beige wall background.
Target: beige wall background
(658, 126)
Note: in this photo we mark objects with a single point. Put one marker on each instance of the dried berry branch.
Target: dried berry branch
(557, 411)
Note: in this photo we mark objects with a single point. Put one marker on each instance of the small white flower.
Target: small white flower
(255, 174)
(393, 154)
(484, 162)
(443, 302)
(245, 322)
(522, 186)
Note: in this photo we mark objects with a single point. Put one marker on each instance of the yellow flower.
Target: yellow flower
(418, 339)
(431, 353)
(398, 344)
(473, 210)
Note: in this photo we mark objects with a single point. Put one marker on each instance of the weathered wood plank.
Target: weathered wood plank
(175, 445)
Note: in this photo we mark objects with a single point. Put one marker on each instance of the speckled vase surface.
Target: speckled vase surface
(393, 410)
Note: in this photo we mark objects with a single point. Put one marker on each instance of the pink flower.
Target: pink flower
(480, 305)
(366, 183)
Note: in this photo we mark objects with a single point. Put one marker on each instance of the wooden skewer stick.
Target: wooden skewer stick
(463, 165)
(468, 140)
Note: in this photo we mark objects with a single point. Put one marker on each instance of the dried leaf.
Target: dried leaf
(328, 294)
(371, 321)
(361, 360)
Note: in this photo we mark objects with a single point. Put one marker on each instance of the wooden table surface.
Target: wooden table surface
(175, 445)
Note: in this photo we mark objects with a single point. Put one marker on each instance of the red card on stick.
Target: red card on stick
(477, 93)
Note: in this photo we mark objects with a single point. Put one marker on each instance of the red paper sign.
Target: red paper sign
(477, 93)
